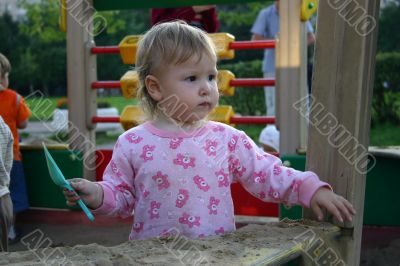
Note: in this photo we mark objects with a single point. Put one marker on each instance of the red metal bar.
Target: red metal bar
(237, 45)
(234, 120)
(261, 44)
(106, 84)
(103, 119)
(105, 50)
(252, 82)
(252, 120)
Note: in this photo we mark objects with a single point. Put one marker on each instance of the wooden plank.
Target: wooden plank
(288, 68)
(340, 113)
(81, 100)
(102, 5)
(303, 86)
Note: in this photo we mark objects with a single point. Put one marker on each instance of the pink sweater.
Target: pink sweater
(181, 184)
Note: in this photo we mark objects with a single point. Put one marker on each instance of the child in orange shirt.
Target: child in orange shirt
(16, 114)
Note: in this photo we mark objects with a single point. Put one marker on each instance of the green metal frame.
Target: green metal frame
(103, 5)
(42, 192)
(381, 193)
(297, 162)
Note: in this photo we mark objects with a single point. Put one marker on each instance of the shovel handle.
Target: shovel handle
(86, 210)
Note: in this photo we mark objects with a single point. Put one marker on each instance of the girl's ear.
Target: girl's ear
(153, 87)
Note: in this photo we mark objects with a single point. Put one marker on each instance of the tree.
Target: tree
(13, 47)
(42, 55)
(388, 38)
(238, 19)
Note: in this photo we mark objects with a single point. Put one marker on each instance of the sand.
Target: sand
(250, 245)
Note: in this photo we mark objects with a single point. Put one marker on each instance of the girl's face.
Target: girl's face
(189, 90)
(4, 82)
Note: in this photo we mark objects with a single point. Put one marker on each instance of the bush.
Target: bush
(249, 100)
(386, 95)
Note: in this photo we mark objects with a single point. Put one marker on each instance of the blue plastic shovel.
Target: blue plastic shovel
(58, 179)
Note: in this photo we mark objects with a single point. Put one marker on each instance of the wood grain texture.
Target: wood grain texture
(340, 114)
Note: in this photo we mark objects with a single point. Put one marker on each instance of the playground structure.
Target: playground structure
(337, 91)
(225, 47)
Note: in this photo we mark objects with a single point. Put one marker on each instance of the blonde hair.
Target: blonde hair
(5, 66)
(167, 43)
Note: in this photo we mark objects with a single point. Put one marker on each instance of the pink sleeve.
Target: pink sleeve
(118, 185)
(264, 176)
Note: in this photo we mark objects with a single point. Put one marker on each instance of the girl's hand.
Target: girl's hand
(335, 204)
(90, 192)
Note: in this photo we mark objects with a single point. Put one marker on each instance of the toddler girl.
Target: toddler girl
(174, 172)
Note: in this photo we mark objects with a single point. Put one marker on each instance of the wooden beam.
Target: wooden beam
(340, 111)
(81, 69)
(303, 86)
(289, 68)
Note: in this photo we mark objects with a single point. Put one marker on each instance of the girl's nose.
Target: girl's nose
(205, 88)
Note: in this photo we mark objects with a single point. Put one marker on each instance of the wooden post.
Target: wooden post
(303, 86)
(81, 70)
(339, 119)
(290, 66)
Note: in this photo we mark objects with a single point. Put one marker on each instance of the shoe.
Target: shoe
(13, 235)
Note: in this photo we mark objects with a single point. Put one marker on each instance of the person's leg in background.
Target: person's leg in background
(19, 197)
(6, 219)
(309, 76)
(269, 93)
(269, 136)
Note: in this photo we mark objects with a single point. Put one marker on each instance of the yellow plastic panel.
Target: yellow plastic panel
(129, 44)
(224, 79)
(222, 113)
(131, 116)
(128, 47)
(130, 84)
(308, 8)
(221, 41)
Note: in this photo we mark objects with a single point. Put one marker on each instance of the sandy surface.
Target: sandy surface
(107, 245)
(250, 245)
(71, 235)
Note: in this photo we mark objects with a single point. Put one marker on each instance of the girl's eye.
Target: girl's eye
(191, 78)
(211, 77)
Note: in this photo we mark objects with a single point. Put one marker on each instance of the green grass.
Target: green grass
(253, 131)
(118, 102)
(385, 135)
(42, 109)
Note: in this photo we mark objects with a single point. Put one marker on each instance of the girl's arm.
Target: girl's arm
(118, 184)
(113, 196)
(264, 176)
